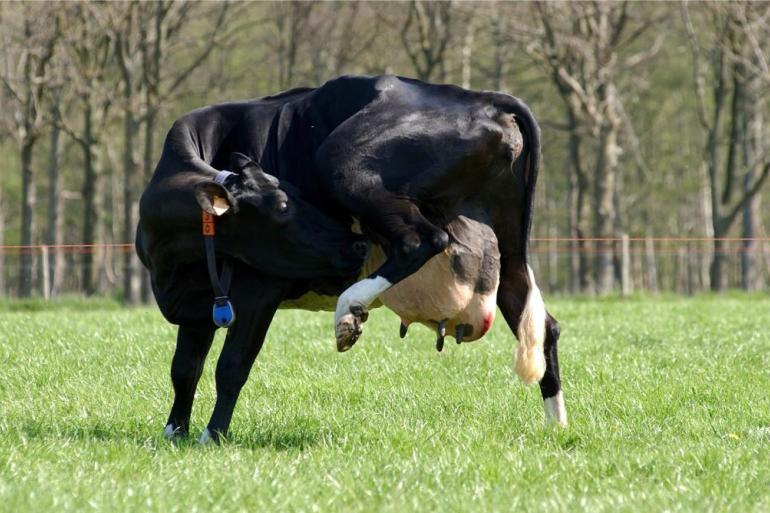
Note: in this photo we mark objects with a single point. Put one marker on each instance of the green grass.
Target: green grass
(669, 404)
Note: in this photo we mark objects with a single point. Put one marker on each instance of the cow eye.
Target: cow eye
(283, 207)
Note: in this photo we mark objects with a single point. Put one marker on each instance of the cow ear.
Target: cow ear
(247, 167)
(215, 199)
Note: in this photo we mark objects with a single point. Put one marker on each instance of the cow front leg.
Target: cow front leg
(192, 345)
(411, 240)
(255, 301)
(536, 357)
(233, 367)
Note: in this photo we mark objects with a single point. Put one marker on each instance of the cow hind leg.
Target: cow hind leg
(536, 357)
(550, 385)
(192, 346)
(411, 239)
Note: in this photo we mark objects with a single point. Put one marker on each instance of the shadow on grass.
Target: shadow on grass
(84, 432)
(298, 435)
(277, 439)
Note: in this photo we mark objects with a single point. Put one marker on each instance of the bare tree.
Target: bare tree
(123, 22)
(292, 22)
(349, 31)
(89, 53)
(730, 57)
(162, 40)
(2, 238)
(425, 35)
(29, 43)
(53, 235)
(583, 46)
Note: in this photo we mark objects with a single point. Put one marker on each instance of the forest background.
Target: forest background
(655, 120)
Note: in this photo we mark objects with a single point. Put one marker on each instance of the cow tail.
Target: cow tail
(529, 360)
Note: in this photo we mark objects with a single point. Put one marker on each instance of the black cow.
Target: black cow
(397, 157)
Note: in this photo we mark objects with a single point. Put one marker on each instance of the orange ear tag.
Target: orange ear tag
(208, 224)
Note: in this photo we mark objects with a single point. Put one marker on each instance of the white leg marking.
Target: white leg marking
(346, 325)
(363, 292)
(169, 432)
(205, 438)
(529, 361)
(555, 412)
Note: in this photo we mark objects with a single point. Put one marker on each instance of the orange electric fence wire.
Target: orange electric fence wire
(11, 249)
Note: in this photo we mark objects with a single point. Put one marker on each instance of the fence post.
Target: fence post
(46, 282)
(625, 266)
(652, 268)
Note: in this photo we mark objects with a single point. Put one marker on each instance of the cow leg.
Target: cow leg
(255, 305)
(411, 239)
(192, 345)
(538, 333)
(550, 385)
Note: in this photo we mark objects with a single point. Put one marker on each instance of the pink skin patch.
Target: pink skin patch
(488, 322)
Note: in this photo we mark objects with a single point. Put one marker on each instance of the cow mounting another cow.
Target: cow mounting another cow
(420, 169)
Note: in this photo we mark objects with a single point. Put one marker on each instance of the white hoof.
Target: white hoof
(347, 331)
(169, 432)
(205, 438)
(555, 412)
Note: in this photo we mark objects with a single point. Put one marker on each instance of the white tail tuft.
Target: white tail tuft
(529, 361)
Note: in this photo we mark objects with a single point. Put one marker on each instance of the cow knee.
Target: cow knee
(408, 247)
(439, 241)
(414, 247)
(184, 371)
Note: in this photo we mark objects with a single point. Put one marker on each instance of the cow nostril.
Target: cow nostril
(360, 249)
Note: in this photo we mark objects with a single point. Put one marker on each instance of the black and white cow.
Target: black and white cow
(383, 174)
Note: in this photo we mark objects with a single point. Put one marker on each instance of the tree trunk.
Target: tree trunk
(708, 231)
(2, 242)
(467, 55)
(581, 207)
(604, 186)
(27, 217)
(573, 230)
(499, 27)
(102, 203)
(751, 276)
(149, 139)
(90, 215)
(131, 283)
(718, 260)
(53, 234)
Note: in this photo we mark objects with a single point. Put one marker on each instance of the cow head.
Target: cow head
(272, 228)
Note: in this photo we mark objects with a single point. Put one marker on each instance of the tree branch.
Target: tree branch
(210, 45)
(729, 218)
(698, 79)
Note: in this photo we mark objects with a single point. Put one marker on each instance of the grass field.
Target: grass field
(669, 404)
